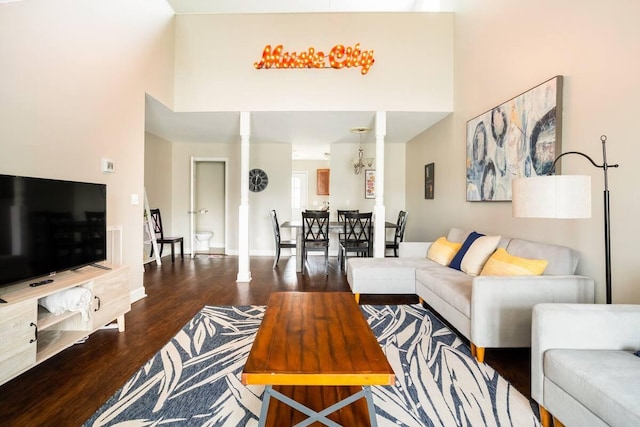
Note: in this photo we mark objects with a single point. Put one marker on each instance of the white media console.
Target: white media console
(29, 334)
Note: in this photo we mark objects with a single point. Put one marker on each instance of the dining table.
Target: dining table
(335, 227)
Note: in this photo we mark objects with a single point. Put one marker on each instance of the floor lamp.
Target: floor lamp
(564, 196)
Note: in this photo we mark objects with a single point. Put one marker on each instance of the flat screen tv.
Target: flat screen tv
(48, 226)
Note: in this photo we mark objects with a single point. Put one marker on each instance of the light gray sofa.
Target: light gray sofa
(583, 370)
(491, 311)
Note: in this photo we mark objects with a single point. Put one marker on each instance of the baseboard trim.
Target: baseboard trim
(138, 294)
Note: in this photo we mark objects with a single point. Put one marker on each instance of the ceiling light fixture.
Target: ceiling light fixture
(361, 162)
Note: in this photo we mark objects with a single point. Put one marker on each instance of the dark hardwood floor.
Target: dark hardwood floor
(68, 388)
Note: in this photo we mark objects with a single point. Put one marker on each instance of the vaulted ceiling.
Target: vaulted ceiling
(311, 133)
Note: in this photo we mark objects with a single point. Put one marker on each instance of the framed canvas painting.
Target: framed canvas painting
(519, 138)
(370, 184)
(429, 181)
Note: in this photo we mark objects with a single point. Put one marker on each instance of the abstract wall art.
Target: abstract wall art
(519, 138)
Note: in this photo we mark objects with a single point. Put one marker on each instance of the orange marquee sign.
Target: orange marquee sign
(339, 57)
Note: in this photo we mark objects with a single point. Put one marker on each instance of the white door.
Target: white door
(299, 194)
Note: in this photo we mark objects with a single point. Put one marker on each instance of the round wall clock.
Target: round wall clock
(258, 180)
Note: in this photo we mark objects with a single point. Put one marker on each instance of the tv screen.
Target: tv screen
(49, 225)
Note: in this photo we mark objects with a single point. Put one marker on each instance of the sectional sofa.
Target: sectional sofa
(585, 369)
(491, 310)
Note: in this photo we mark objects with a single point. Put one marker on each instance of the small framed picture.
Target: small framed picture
(429, 180)
(370, 184)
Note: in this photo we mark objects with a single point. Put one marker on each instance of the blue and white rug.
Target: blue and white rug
(194, 380)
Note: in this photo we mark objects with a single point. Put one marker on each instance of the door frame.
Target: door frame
(304, 204)
(192, 199)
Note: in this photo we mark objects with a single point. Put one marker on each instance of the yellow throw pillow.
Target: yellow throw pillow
(501, 263)
(442, 251)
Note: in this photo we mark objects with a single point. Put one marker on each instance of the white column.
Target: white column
(379, 235)
(244, 274)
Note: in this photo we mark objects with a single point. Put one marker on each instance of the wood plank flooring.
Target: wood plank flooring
(68, 388)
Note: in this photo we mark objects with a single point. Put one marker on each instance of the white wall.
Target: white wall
(277, 195)
(413, 69)
(499, 54)
(275, 160)
(347, 188)
(74, 76)
(315, 200)
(158, 176)
(214, 72)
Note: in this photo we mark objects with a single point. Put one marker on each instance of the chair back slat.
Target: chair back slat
(342, 212)
(357, 227)
(315, 226)
(402, 223)
(275, 225)
(156, 220)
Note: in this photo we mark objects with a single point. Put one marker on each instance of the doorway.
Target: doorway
(208, 206)
(299, 194)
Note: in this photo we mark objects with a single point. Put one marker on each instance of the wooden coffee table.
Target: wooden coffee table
(318, 358)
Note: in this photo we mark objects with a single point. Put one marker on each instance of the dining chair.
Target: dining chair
(287, 244)
(315, 236)
(340, 214)
(161, 239)
(358, 238)
(398, 236)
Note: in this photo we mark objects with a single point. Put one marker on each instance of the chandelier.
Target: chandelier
(361, 162)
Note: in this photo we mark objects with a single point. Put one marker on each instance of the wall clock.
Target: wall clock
(258, 180)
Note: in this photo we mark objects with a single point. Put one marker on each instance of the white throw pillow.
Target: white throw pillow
(478, 254)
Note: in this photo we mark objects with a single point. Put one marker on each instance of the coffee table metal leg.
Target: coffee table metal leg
(319, 416)
(265, 406)
(372, 408)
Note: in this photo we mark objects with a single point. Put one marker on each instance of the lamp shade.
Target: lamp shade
(552, 196)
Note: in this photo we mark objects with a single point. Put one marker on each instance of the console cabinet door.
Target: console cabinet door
(18, 344)
(111, 296)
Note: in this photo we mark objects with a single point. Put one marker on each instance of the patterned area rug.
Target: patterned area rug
(194, 380)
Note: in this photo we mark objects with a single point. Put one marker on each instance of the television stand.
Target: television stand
(31, 334)
(41, 282)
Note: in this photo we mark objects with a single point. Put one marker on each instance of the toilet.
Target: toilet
(202, 240)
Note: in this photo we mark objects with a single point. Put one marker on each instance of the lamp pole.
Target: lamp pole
(607, 220)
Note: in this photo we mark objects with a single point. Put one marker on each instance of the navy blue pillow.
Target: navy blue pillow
(457, 259)
(637, 353)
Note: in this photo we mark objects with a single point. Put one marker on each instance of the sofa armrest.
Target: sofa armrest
(580, 326)
(501, 306)
(413, 249)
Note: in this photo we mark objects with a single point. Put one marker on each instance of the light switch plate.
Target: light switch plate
(108, 166)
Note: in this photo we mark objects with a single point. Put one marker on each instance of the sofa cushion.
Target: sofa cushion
(456, 262)
(451, 285)
(501, 263)
(562, 260)
(478, 254)
(442, 251)
(457, 235)
(604, 381)
(384, 275)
